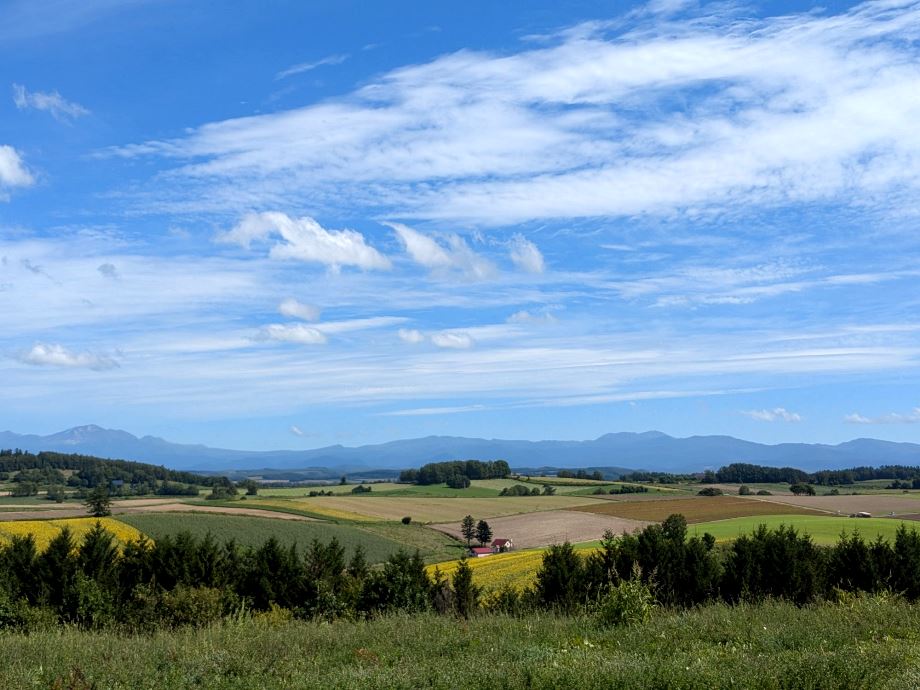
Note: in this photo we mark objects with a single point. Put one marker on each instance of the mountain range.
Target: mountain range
(651, 450)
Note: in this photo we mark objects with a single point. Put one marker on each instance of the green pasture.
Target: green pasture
(824, 530)
(253, 531)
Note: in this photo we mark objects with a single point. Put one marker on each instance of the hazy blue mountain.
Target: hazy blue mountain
(651, 450)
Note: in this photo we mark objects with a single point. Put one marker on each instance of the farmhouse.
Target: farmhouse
(502, 545)
(480, 551)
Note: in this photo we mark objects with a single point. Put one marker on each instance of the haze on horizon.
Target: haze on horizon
(295, 225)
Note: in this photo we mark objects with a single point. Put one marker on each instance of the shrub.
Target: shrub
(764, 492)
(406, 520)
(628, 603)
(361, 489)
(710, 491)
(802, 489)
(744, 490)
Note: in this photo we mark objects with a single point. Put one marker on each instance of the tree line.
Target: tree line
(746, 473)
(185, 580)
(456, 473)
(88, 472)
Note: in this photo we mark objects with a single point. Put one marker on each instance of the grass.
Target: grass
(823, 530)
(695, 509)
(872, 643)
(253, 531)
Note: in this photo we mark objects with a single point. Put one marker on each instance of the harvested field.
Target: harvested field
(696, 509)
(878, 504)
(550, 527)
(439, 509)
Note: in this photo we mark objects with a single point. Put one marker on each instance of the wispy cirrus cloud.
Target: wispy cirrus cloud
(301, 67)
(912, 417)
(51, 102)
(777, 414)
(455, 256)
(604, 119)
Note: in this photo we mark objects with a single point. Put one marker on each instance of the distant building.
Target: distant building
(502, 545)
(480, 551)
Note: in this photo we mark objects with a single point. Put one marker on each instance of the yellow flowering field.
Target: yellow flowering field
(516, 568)
(45, 530)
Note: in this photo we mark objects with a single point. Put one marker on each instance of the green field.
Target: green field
(823, 529)
(868, 644)
(253, 531)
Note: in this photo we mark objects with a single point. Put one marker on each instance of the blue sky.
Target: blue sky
(296, 224)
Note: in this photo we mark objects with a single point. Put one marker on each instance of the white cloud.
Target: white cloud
(298, 310)
(299, 68)
(51, 102)
(671, 116)
(303, 239)
(525, 255)
(55, 355)
(912, 417)
(296, 430)
(13, 173)
(524, 316)
(777, 414)
(411, 335)
(292, 333)
(455, 340)
(456, 256)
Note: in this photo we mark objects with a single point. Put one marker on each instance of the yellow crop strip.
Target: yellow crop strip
(45, 530)
(517, 569)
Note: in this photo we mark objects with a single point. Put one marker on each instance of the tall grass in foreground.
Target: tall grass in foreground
(866, 642)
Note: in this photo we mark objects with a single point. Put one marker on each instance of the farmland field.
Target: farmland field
(823, 529)
(437, 509)
(550, 527)
(695, 509)
(45, 530)
(516, 568)
(877, 504)
(253, 531)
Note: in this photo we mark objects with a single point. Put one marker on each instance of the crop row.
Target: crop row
(45, 530)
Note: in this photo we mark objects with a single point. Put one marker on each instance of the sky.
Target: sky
(289, 225)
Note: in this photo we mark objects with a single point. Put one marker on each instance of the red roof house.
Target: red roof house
(480, 551)
(501, 545)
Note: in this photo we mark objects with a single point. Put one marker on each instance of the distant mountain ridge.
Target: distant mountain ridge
(651, 450)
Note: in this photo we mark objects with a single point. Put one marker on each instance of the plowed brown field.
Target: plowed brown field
(696, 509)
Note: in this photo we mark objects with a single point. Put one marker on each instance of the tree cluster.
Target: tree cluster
(686, 571)
(444, 472)
(580, 474)
(47, 469)
(183, 580)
